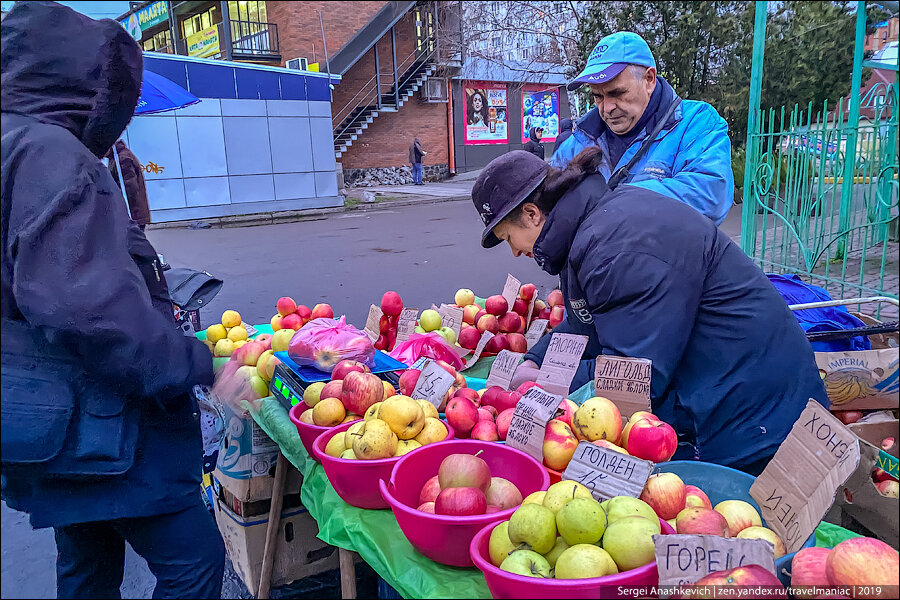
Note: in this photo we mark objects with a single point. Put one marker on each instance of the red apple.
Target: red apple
(808, 572)
(426, 507)
(264, 339)
(506, 400)
(460, 501)
(469, 337)
(702, 521)
(489, 397)
(469, 394)
(381, 343)
(694, 496)
(848, 416)
(492, 508)
(384, 323)
(747, 576)
(249, 353)
(484, 415)
(361, 390)
(863, 562)
(292, 321)
(345, 367)
(322, 311)
(408, 380)
(496, 305)
(462, 415)
(566, 411)
(539, 305)
(557, 314)
(555, 298)
(286, 306)
(559, 445)
(332, 389)
(497, 343)
(656, 442)
(391, 337)
(610, 446)
(503, 493)
(391, 304)
(494, 412)
(638, 416)
(527, 291)
(664, 492)
(888, 488)
(544, 313)
(524, 387)
(488, 323)
(520, 307)
(304, 313)
(510, 322)
(881, 475)
(523, 325)
(430, 490)
(469, 313)
(503, 421)
(485, 431)
(464, 470)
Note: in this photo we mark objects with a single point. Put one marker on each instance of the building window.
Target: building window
(199, 22)
(252, 11)
(249, 27)
(159, 41)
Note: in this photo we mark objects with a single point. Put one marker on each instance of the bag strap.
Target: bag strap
(620, 175)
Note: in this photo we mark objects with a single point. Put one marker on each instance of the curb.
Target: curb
(294, 216)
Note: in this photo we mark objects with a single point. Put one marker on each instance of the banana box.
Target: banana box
(861, 380)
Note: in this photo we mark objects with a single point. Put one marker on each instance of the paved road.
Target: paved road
(426, 252)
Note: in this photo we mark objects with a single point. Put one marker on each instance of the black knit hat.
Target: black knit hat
(502, 186)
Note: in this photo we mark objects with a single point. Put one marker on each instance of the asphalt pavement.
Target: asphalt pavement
(424, 251)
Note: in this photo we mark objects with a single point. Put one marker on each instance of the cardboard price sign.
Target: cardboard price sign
(798, 485)
(511, 290)
(529, 422)
(406, 324)
(683, 559)
(535, 331)
(608, 473)
(251, 330)
(503, 369)
(433, 383)
(479, 348)
(452, 317)
(625, 381)
(373, 323)
(561, 361)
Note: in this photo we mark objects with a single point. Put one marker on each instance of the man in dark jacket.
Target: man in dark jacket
(415, 159)
(534, 144)
(135, 188)
(100, 435)
(565, 130)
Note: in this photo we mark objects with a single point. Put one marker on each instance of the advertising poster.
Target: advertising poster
(204, 43)
(486, 114)
(540, 108)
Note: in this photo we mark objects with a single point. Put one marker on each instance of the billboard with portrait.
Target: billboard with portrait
(486, 113)
(540, 108)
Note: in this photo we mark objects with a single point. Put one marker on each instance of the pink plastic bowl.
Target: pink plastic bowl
(504, 584)
(356, 481)
(308, 433)
(442, 538)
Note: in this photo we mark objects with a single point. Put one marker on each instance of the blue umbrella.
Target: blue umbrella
(158, 94)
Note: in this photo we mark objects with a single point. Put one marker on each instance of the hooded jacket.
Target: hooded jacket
(565, 132)
(534, 144)
(690, 160)
(647, 277)
(97, 417)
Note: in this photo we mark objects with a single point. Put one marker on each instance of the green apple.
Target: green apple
(558, 548)
(629, 541)
(626, 506)
(534, 525)
(562, 492)
(430, 320)
(585, 560)
(581, 521)
(259, 386)
(448, 334)
(499, 546)
(348, 454)
(528, 563)
(418, 329)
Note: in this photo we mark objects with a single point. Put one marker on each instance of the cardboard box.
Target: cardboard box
(858, 500)
(862, 380)
(246, 465)
(298, 554)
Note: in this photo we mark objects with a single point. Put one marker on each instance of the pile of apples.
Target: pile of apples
(410, 378)
(464, 486)
(688, 510)
(507, 323)
(293, 316)
(864, 562)
(430, 320)
(225, 337)
(391, 307)
(564, 533)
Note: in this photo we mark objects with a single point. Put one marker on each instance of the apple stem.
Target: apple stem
(479, 452)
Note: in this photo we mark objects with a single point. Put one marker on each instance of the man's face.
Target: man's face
(622, 100)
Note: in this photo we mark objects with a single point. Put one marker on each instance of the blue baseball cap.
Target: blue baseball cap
(610, 57)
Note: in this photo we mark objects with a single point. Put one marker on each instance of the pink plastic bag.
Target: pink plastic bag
(429, 345)
(323, 343)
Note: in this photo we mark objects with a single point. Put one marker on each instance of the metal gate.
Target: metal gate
(821, 187)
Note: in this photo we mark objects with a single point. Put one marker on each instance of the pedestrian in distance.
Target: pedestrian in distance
(565, 131)
(100, 432)
(650, 137)
(646, 276)
(135, 188)
(534, 143)
(415, 158)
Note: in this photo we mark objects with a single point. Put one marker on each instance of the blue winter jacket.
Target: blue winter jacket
(647, 277)
(690, 160)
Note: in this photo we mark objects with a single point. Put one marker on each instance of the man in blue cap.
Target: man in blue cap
(650, 137)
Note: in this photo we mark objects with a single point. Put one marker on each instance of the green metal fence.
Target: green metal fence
(821, 186)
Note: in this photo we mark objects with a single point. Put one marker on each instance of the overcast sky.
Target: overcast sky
(94, 9)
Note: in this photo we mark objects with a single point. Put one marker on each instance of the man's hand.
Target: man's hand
(527, 371)
(231, 388)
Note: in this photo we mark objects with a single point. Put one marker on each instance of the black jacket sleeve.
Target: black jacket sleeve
(75, 280)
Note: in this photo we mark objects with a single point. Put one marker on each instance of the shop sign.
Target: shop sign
(204, 43)
(149, 16)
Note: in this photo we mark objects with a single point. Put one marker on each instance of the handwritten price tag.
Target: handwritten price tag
(511, 290)
(433, 383)
(535, 331)
(529, 422)
(625, 381)
(683, 559)
(373, 328)
(503, 369)
(452, 317)
(406, 324)
(561, 361)
(479, 348)
(608, 473)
